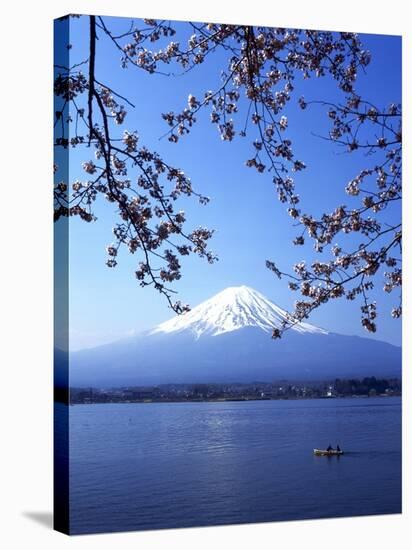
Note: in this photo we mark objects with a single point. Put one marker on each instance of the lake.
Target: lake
(165, 465)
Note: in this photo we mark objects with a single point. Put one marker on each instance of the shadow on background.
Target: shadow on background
(42, 518)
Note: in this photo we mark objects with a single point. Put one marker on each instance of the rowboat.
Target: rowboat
(325, 452)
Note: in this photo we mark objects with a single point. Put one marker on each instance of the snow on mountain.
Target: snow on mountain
(229, 310)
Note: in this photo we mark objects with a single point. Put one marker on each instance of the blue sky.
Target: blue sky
(251, 225)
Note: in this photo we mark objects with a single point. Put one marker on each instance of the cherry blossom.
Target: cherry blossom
(257, 82)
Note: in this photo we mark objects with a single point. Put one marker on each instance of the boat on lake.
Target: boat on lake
(326, 452)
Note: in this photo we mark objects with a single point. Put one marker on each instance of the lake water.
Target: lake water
(158, 465)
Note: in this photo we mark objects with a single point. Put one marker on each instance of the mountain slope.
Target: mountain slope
(232, 309)
(227, 339)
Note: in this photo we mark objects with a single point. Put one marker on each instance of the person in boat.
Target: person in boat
(338, 448)
(330, 448)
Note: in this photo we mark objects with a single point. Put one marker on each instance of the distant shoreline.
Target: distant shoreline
(233, 400)
(234, 392)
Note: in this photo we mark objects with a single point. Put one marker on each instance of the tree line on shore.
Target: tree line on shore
(368, 386)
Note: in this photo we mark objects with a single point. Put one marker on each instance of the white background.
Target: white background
(26, 273)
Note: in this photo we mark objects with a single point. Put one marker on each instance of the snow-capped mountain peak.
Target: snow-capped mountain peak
(232, 309)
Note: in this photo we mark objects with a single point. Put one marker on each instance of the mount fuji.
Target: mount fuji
(232, 309)
(228, 339)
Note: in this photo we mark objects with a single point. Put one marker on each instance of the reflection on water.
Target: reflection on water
(147, 466)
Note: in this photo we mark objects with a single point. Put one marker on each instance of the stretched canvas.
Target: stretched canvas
(228, 271)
